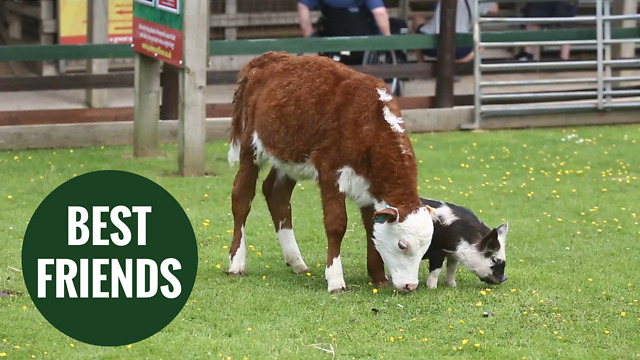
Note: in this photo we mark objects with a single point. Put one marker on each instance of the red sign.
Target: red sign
(157, 41)
(172, 6)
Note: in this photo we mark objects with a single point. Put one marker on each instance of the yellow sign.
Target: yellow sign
(73, 21)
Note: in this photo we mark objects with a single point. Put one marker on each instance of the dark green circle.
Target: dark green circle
(110, 321)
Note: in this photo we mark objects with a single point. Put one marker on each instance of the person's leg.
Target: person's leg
(534, 51)
(414, 27)
(464, 54)
(565, 9)
(533, 9)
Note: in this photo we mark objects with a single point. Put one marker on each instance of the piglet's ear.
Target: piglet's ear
(502, 231)
(387, 215)
(490, 243)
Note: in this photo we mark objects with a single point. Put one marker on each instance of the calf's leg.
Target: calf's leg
(277, 189)
(244, 189)
(335, 224)
(375, 265)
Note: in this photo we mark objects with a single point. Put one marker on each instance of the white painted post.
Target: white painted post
(231, 8)
(193, 82)
(47, 11)
(15, 25)
(626, 50)
(146, 106)
(97, 29)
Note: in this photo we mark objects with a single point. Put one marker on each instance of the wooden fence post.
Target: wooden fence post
(147, 106)
(97, 33)
(445, 64)
(193, 83)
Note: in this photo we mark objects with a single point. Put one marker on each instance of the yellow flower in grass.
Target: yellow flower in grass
(465, 341)
(375, 291)
(607, 332)
(3, 354)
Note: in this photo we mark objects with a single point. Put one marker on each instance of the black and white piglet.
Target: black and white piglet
(462, 238)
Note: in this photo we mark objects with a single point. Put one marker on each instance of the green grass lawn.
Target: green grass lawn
(571, 197)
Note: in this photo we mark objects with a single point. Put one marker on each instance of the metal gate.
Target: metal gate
(606, 74)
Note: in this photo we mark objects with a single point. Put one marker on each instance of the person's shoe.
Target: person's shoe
(524, 56)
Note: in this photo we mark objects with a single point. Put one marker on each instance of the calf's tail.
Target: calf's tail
(237, 121)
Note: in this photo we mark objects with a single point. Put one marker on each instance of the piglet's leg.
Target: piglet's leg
(375, 265)
(450, 278)
(435, 268)
(277, 188)
(335, 223)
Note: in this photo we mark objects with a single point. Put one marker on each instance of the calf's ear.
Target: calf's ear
(386, 215)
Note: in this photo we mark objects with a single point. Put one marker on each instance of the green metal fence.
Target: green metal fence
(302, 45)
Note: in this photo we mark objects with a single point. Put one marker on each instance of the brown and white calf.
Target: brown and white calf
(310, 117)
(461, 237)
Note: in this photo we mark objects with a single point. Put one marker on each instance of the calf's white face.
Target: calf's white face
(402, 244)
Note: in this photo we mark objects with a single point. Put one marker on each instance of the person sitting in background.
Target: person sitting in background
(345, 17)
(464, 24)
(547, 9)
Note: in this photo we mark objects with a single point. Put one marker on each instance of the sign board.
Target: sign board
(157, 30)
(72, 22)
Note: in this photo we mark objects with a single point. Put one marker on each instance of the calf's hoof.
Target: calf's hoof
(451, 283)
(238, 274)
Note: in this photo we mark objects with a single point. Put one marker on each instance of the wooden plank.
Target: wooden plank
(65, 116)
(231, 19)
(193, 81)
(218, 110)
(97, 33)
(421, 120)
(235, 19)
(125, 79)
(22, 8)
(146, 106)
(67, 82)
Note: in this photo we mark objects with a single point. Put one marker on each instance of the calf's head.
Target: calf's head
(401, 244)
(486, 258)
